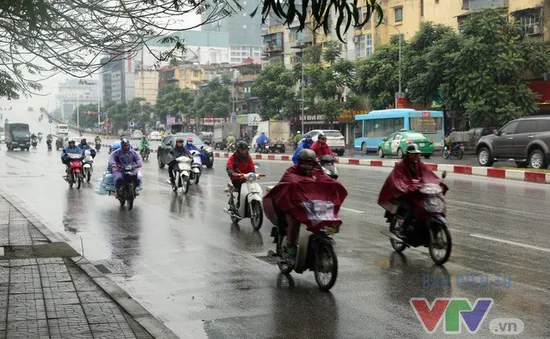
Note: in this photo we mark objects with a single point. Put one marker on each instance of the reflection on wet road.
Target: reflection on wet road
(183, 260)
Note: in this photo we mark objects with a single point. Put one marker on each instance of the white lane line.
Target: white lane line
(481, 236)
(352, 210)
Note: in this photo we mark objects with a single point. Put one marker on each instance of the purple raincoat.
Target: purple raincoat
(123, 158)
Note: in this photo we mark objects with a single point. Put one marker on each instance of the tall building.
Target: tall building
(244, 32)
(75, 92)
(118, 76)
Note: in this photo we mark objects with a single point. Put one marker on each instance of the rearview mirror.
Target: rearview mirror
(385, 139)
(444, 174)
(257, 165)
(496, 132)
(202, 147)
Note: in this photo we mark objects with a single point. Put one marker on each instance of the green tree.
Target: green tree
(487, 68)
(85, 120)
(276, 88)
(378, 77)
(426, 62)
(174, 101)
(214, 99)
(332, 51)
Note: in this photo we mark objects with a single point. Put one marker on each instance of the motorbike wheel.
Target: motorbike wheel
(256, 215)
(323, 256)
(88, 176)
(447, 246)
(446, 154)
(130, 196)
(197, 178)
(460, 154)
(185, 185)
(398, 246)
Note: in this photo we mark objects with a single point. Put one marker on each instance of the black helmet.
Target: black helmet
(321, 135)
(413, 149)
(307, 155)
(124, 142)
(242, 144)
(83, 141)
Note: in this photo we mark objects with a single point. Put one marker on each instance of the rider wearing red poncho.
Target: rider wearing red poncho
(403, 182)
(298, 195)
(320, 147)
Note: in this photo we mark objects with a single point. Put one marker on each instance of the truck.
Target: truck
(278, 133)
(222, 131)
(17, 135)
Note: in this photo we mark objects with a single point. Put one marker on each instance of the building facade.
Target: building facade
(118, 76)
(147, 85)
(75, 92)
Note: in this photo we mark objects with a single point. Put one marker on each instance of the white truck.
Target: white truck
(278, 133)
(222, 131)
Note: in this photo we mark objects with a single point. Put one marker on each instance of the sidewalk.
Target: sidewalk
(48, 291)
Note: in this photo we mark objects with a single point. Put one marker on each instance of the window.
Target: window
(526, 126)
(195, 74)
(380, 128)
(510, 128)
(363, 46)
(543, 125)
(368, 44)
(531, 23)
(425, 125)
(398, 12)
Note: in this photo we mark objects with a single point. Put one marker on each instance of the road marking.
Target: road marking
(481, 236)
(352, 210)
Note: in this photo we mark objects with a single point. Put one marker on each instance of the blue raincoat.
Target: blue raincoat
(262, 139)
(304, 144)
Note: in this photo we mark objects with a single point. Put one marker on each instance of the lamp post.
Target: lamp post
(400, 93)
(300, 46)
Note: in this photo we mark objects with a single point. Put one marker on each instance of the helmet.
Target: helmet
(72, 141)
(179, 140)
(190, 140)
(308, 136)
(307, 155)
(124, 142)
(242, 144)
(83, 141)
(321, 135)
(413, 149)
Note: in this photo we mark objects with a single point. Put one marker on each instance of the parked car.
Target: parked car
(396, 144)
(335, 139)
(137, 134)
(169, 141)
(155, 136)
(525, 141)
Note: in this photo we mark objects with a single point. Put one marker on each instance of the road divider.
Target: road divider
(536, 177)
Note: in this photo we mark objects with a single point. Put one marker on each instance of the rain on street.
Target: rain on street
(183, 260)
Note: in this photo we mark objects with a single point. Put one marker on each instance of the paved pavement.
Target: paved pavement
(45, 294)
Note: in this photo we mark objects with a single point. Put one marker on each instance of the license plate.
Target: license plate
(421, 144)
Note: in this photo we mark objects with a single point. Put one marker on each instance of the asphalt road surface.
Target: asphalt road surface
(182, 259)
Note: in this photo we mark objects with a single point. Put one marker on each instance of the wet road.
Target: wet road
(183, 260)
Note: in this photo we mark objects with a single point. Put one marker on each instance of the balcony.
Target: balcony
(273, 43)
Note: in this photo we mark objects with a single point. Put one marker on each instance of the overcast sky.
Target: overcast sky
(49, 91)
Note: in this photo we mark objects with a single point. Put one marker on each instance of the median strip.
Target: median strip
(501, 173)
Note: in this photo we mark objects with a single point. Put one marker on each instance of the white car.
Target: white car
(155, 136)
(335, 139)
(137, 134)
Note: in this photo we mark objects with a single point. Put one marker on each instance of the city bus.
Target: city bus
(372, 127)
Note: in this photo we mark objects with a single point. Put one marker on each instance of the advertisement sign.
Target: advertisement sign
(242, 119)
(254, 119)
(170, 119)
(213, 121)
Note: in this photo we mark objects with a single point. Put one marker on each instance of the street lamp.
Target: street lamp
(301, 85)
(398, 94)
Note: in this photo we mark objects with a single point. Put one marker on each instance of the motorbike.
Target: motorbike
(264, 148)
(39, 137)
(430, 233)
(49, 143)
(315, 244)
(196, 166)
(144, 153)
(97, 146)
(231, 147)
(457, 151)
(75, 171)
(250, 205)
(183, 174)
(327, 164)
(128, 191)
(87, 167)
(34, 143)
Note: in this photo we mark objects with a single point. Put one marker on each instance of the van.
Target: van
(62, 129)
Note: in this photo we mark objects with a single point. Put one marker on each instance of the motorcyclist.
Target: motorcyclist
(320, 146)
(405, 179)
(85, 147)
(97, 139)
(123, 157)
(297, 139)
(230, 140)
(177, 151)
(305, 143)
(33, 137)
(49, 140)
(240, 162)
(262, 140)
(305, 167)
(71, 149)
(144, 144)
(39, 137)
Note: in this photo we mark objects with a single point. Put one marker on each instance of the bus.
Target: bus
(372, 127)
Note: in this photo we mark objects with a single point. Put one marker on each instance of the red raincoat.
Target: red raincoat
(314, 201)
(400, 183)
(321, 149)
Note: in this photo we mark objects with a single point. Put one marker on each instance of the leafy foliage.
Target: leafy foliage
(276, 88)
(174, 101)
(214, 99)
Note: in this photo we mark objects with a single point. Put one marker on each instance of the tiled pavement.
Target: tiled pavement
(44, 294)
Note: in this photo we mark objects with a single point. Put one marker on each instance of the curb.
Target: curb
(152, 325)
(536, 177)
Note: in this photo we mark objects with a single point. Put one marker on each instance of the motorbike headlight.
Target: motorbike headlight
(252, 177)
